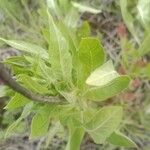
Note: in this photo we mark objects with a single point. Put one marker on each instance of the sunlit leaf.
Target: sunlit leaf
(84, 8)
(102, 75)
(90, 55)
(111, 89)
(143, 7)
(53, 7)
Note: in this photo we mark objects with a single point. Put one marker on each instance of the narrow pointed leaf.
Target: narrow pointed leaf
(26, 111)
(128, 19)
(144, 12)
(17, 101)
(27, 47)
(61, 60)
(144, 47)
(84, 8)
(40, 121)
(33, 85)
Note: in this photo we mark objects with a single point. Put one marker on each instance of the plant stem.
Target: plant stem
(8, 80)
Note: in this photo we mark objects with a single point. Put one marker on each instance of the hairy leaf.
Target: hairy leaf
(32, 84)
(119, 139)
(104, 122)
(111, 89)
(40, 123)
(84, 8)
(27, 47)
(144, 47)
(17, 61)
(128, 19)
(90, 55)
(75, 138)
(61, 60)
(102, 75)
(17, 101)
(26, 111)
(46, 72)
(144, 12)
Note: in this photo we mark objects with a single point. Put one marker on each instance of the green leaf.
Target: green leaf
(146, 71)
(84, 31)
(144, 46)
(12, 10)
(52, 4)
(119, 139)
(26, 111)
(61, 60)
(102, 75)
(46, 72)
(71, 117)
(144, 12)
(12, 127)
(32, 49)
(84, 8)
(32, 84)
(90, 55)
(64, 5)
(75, 138)
(17, 61)
(69, 32)
(40, 123)
(21, 70)
(88, 114)
(128, 19)
(71, 19)
(2, 91)
(111, 89)
(17, 101)
(69, 96)
(103, 123)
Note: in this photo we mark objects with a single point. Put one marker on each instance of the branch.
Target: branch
(8, 80)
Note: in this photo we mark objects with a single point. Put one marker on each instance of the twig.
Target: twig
(12, 83)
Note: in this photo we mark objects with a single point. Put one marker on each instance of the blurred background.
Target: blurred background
(123, 26)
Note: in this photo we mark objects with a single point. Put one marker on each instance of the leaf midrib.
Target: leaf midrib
(92, 130)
